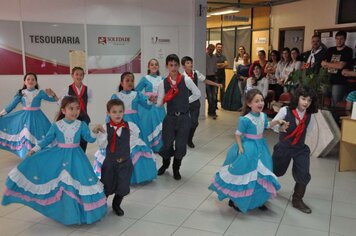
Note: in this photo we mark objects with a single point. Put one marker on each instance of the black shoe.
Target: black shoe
(231, 204)
(116, 205)
(263, 208)
(118, 211)
(300, 205)
(190, 138)
(191, 145)
(164, 167)
(161, 170)
(176, 166)
(214, 117)
(297, 199)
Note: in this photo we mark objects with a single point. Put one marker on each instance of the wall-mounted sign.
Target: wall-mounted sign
(158, 42)
(10, 48)
(236, 18)
(114, 49)
(261, 40)
(47, 46)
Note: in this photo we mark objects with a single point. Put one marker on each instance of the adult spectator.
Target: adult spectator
(336, 59)
(238, 60)
(312, 59)
(257, 81)
(261, 61)
(284, 67)
(211, 69)
(270, 71)
(222, 64)
(234, 96)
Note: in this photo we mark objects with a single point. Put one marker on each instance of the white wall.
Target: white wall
(313, 14)
(178, 15)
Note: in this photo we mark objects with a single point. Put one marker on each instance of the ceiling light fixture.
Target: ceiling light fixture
(222, 11)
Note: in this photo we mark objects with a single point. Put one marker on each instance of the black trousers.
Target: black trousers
(194, 111)
(175, 130)
(278, 89)
(283, 154)
(211, 93)
(116, 176)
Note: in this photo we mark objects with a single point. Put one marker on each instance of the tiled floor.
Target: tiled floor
(187, 207)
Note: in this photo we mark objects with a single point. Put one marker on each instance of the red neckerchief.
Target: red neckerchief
(297, 133)
(173, 91)
(80, 96)
(116, 127)
(191, 75)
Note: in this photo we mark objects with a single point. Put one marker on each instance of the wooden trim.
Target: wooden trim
(348, 29)
(251, 14)
(237, 26)
(260, 29)
(293, 28)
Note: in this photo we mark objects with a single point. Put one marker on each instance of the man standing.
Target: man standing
(312, 59)
(211, 91)
(221, 65)
(336, 60)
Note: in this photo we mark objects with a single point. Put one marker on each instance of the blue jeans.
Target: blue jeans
(338, 92)
(211, 92)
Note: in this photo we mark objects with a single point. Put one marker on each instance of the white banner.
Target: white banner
(114, 49)
(47, 46)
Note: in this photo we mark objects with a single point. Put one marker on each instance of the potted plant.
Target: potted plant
(320, 82)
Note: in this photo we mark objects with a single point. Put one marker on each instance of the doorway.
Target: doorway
(291, 38)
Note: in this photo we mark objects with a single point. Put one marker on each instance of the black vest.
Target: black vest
(83, 116)
(292, 126)
(180, 103)
(196, 103)
(122, 144)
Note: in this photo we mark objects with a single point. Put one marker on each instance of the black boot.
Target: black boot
(165, 165)
(116, 202)
(232, 204)
(263, 208)
(297, 199)
(190, 138)
(176, 166)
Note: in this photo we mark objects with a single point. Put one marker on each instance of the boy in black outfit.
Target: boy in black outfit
(175, 91)
(117, 167)
(79, 90)
(194, 109)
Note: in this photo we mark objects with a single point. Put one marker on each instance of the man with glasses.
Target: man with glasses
(312, 59)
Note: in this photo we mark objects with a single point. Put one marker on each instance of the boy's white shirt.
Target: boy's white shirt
(102, 137)
(190, 85)
(64, 93)
(201, 77)
(281, 115)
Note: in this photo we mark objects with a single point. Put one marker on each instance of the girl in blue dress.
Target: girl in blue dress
(152, 117)
(142, 157)
(21, 130)
(246, 177)
(59, 182)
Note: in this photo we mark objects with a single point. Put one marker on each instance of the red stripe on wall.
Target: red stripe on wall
(43, 67)
(10, 62)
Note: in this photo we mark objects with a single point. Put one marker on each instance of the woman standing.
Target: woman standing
(234, 95)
